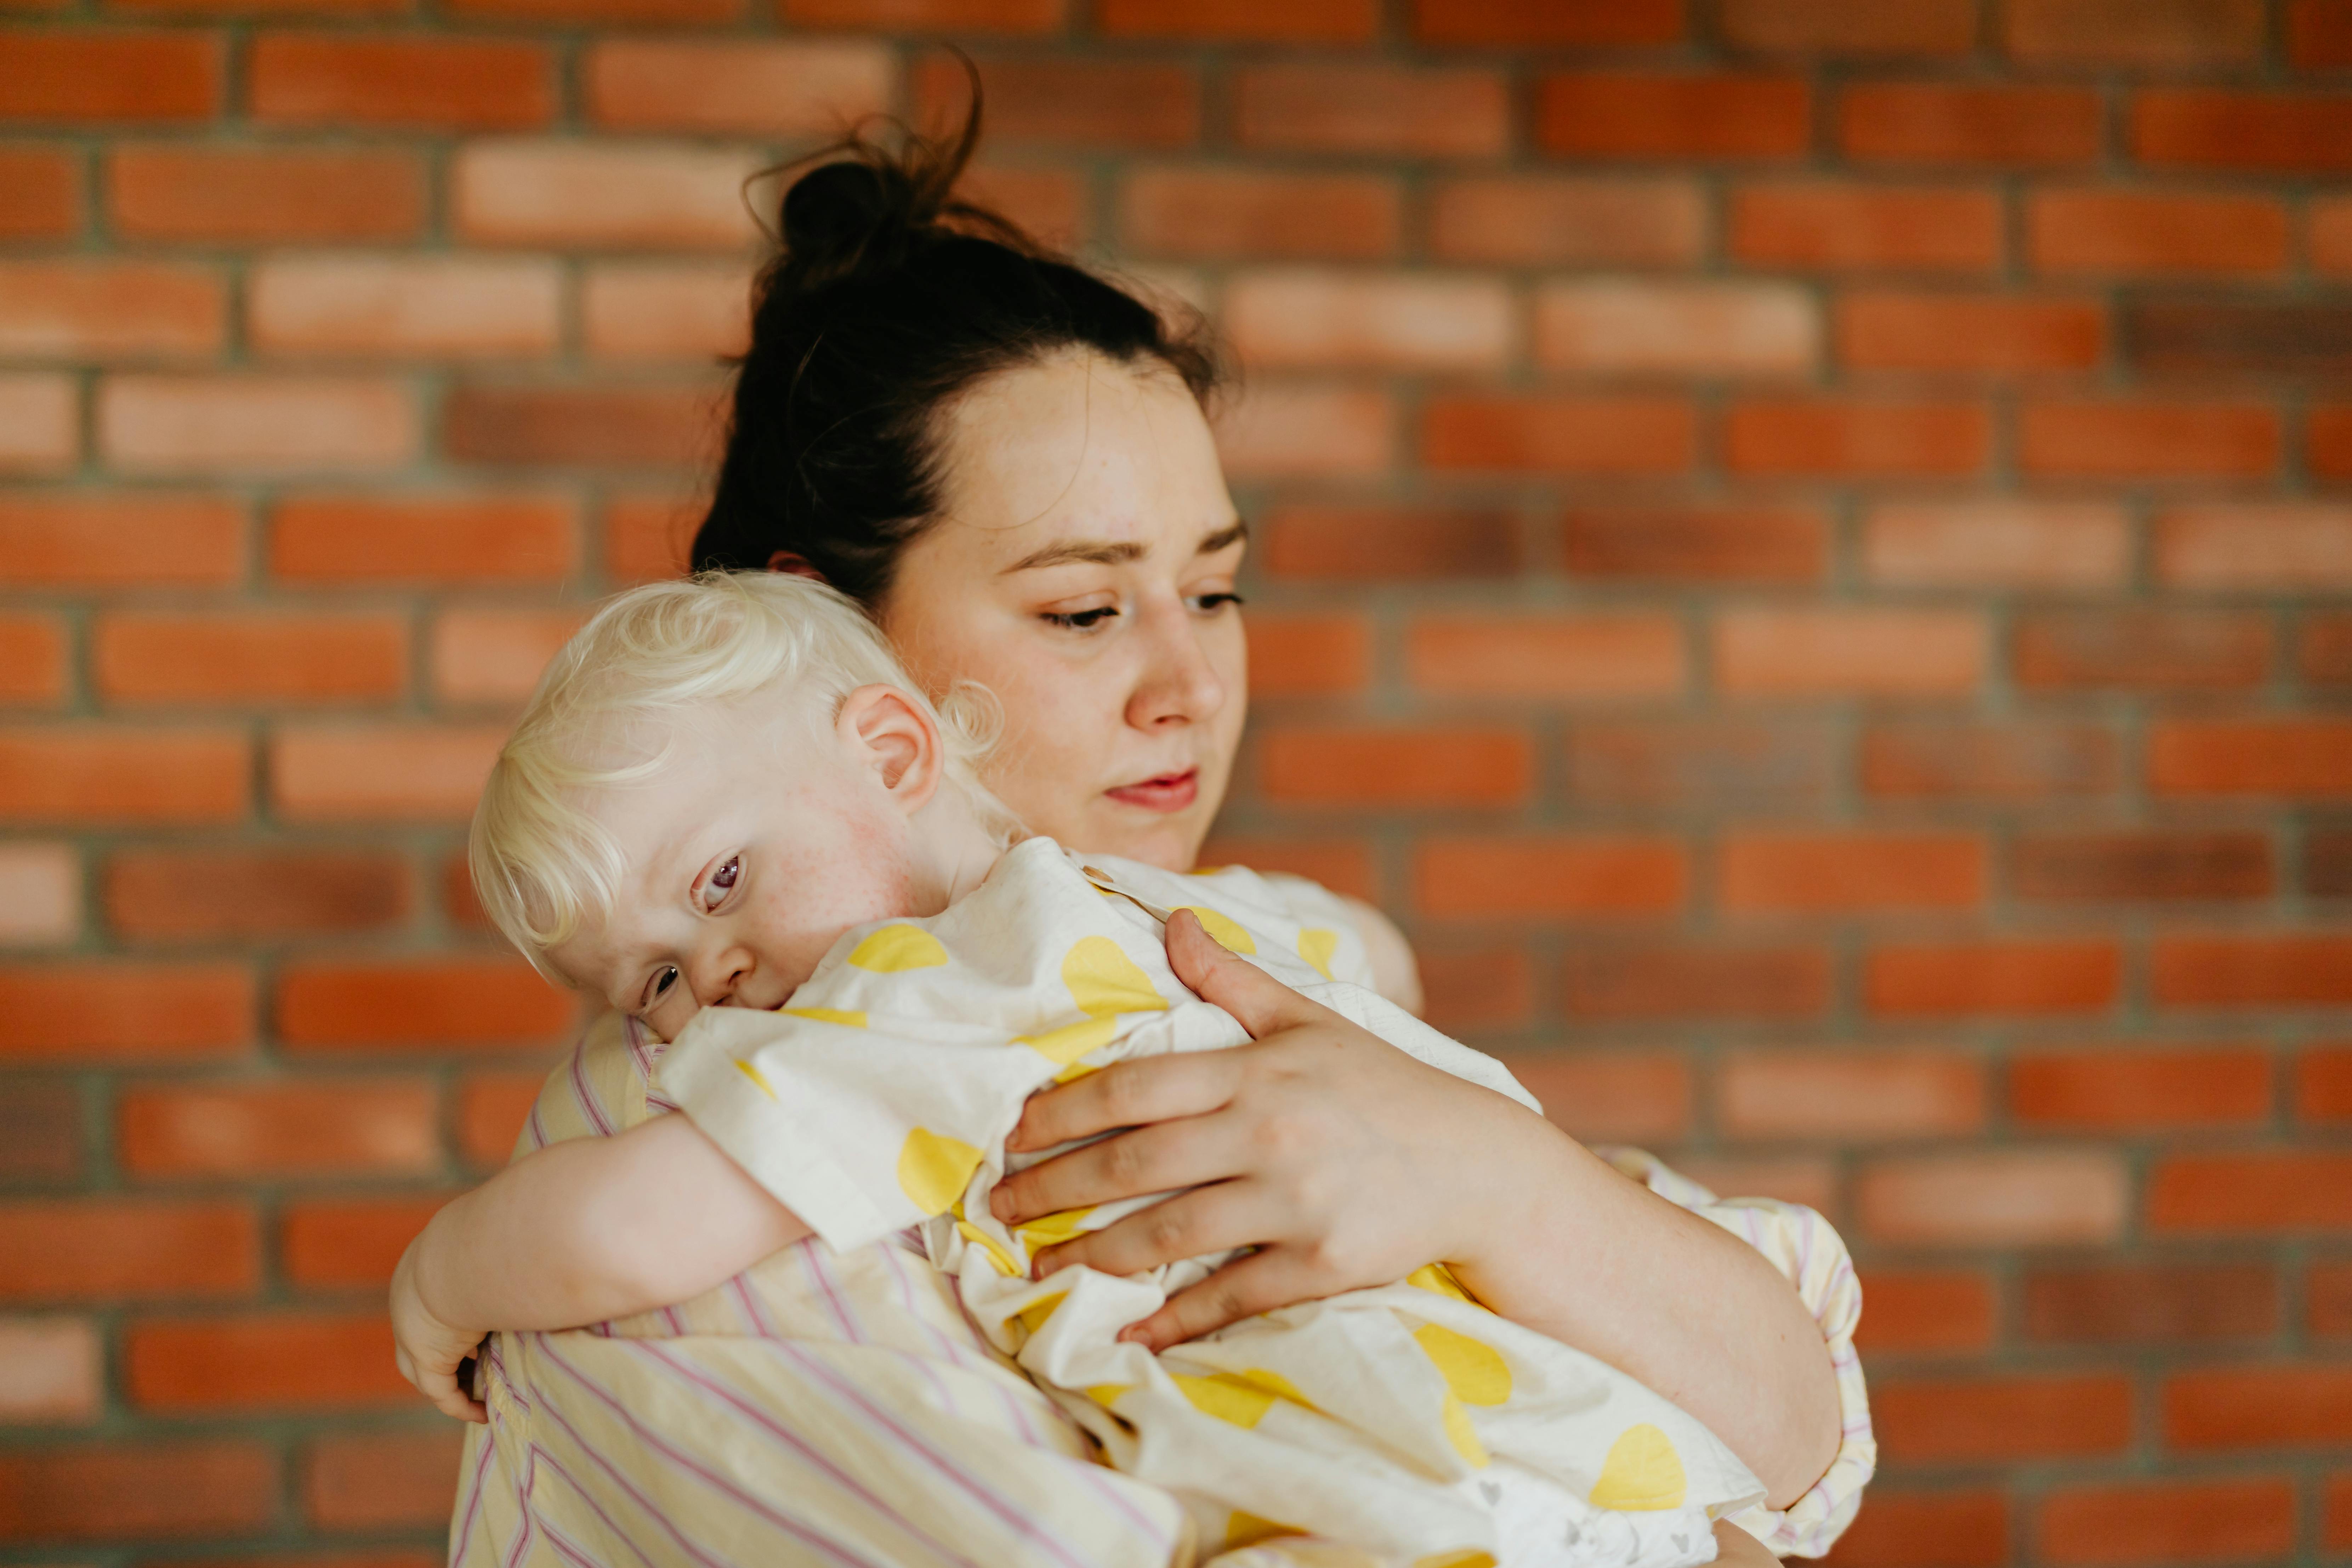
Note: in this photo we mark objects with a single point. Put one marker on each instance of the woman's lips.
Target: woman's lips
(1169, 792)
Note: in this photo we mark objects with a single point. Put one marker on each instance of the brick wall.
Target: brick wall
(1803, 552)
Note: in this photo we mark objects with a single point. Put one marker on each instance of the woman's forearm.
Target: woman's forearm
(1601, 1263)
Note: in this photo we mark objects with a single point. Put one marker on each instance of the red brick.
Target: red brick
(2337, 1530)
(229, 894)
(1743, 983)
(695, 311)
(1318, 320)
(1594, 115)
(1568, 435)
(2296, 757)
(2150, 1303)
(2140, 650)
(2151, 865)
(71, 1013)
(2328, 441)
(290, 1127)
(1423, 767)
(2008, 1197)
(2258, 1407)
(1944, 122)
(1843, 652)
(1485, 988)
(1378, 109)
(2324, 1084)
(2149, 233)
(435, 538)
(1850, 1096)
(40, 425)
(75, 74)
(648, 537)
(495, 655)
(914, 16)
(1931, 28)
(40, 192)
(2324, 654)
(1993, 977)
(159, 656)
(460, 903)
(1216, 213)
(86, 774)
(1642, 1095)
(280, 1361)
(1915, 1311)
(346, 9)
(1997, 543)
(1818, 873)
(1308, 655)
(403, 773)
(1970, 334)
(1054, 206)
(2261, 1190)
(803, 88)
(1819, 436)
(52, 1372)
(2283, 546)
(149, 1490)
(601, 196)
(350, 1241)
(2015, 760)
(1377, 543)
(1954, 1420)
(2173, 1521)
(2211, 127)
(1292, 22)
(2151, 439)
(249, 423)
(333, 79)
(1627, 327)
(1278, 431)
(445, 1001)
(491, 1109)
(2271, 970)
(96, 539)
(1343, 865)
(1927, 1530)
(2329, 228)
(2328, 1299)
(2156, 34)
(381, 1480)
(1548, 23)
(1548, 877)
(1698, 543)
(2319, 34)
(1721, 763)
(1907, 228)
(1530, 221)
(1089, 104)
(116, 1249)
(1595, 657)
(1806, 1179)
(110, 310)
(33, 660)
(2216, 1087)
(404, 307)
(612, 426)
(264, 194)
(40, 894)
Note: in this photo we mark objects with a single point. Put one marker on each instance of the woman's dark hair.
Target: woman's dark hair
(887, 300)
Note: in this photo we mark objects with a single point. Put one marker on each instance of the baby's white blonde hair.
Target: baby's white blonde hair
(607, 712)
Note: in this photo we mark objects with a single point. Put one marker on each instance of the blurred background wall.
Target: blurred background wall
(1803, 552)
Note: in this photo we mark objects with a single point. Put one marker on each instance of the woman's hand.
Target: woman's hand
(427, 1350)
(1339, 1157)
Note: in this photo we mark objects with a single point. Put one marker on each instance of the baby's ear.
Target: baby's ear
(889, 731)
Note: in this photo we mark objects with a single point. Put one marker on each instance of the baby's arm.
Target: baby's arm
(576, 1233)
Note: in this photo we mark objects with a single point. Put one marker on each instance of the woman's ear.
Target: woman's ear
(889, 732)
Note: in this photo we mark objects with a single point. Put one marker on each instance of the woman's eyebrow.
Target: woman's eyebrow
(1116, 552)
(1224, 538)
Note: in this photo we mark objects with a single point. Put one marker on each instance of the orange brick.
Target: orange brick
(2173, 1521)
(803, 88)
(52, 1370)
(1932, 27)
(118, 1248)
(1568, 435)
(2108, 1303)
(1290, 431)
(1598, 657)
(246, 424)
(86, 774)
(2324, 651)
(293, 1127)
(1976, 1418)
(40, 894)
(96, 539)
(617, 196)
(1702, 763)
(2140, 649)
(1532, 221)
(1548, 23)
(2283, 969)
(394, 772)
(1217, 213)
(212, 895)
(1374, 543)
(110, 310)
(2087, 867)
(2328, 441)
(77, 75)
(2216, 1087)
(445, 1001)
(2006, 1197)
(915, 15)
(1994, 335)
(159, 657)
(2152, 33)
(265, 1362)
(648, 537)
(2148, 233)
(339, 1242)
(1840, 652)
(495, 655)
(1918, 1311)
(665, 311)
(57, 1012)
(1929, 1529)
(1940, 122)
(1613, 115)
(40, 425)
(1615, 328)
(1997, 543)
(381, 1480)
(1366, 108)
(1308, 655)
(1315, 320)
(113, 1490)
(2152, 439)
(2327, 1310)
(611, 427)
(2256, 1191)
(335, 79)
(1909, 228)
(1088, 104)
(1293, 22)
(1054, 206)
(1425, 767)
(1550, 878)
(2281, 757)
(1485, 988)
(40, 192)
(1824, 873)
(400, 308)
(1698, 543)
(1747, 983)
(1818, 435)
(1610, 1094)
(431, 538)
(1850, 1096)
(491, 1109)
(32, 655)
(2319, 37)
(2265, 1405)
(1792, 1178)
(255, 195)
(1993, 977)
(2211, 128)
(2282, 546)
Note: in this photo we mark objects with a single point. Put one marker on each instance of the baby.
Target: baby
(729, 813)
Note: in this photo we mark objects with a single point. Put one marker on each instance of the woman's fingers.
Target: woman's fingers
(1214, 1218)
(1159, 1158)
(1257, 1283)
(1257, 999)
(1126, 1094)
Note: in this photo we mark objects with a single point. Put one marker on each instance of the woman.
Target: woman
(1005, 459)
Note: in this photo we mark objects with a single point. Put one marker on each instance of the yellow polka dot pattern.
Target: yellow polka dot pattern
(1243, 1529)
(757, 1077)
(1241, 1398)
(895, 948)
(1438, 1278)
(1643, 1472)
(1317, 946)
(1462, 1434)
(1033, 1316)
(1476, 1372)
(1227, 932)
(1467, 1559)
(934, 1169)
(1103, 981)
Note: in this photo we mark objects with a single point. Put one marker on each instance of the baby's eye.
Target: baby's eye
(662, 983)
(722, 882)
(1082, 620)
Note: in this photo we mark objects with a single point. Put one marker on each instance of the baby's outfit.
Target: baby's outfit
(1405, 1421)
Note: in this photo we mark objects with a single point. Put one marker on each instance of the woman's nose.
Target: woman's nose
(1177, 683)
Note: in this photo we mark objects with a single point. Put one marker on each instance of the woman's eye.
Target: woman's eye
(1210, 604)
(722, 882)
(1082, 620)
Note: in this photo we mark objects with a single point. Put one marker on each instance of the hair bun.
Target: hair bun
(842, 214)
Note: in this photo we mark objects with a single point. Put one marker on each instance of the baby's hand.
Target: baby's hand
(428, 1350)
